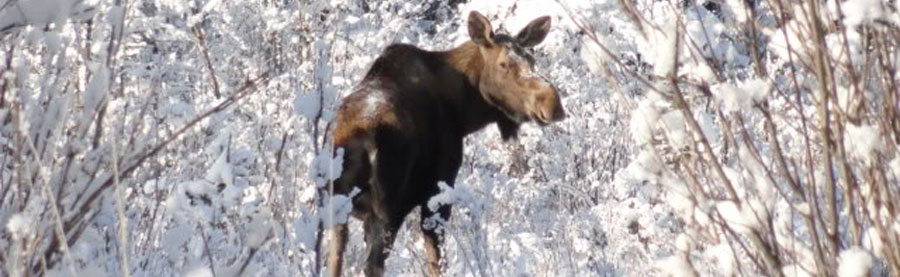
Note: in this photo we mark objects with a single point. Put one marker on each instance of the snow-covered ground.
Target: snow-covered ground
(169, 137)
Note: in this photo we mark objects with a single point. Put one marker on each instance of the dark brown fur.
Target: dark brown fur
(402, 130)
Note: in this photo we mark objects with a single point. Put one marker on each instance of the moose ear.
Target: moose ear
(535, 32)
(480, 29)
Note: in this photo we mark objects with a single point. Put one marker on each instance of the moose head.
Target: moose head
(508, 79)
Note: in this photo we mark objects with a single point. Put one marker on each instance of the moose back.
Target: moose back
(402, 129)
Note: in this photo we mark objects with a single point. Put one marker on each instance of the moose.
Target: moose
(402, 128)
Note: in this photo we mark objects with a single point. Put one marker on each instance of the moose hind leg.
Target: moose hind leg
(391, 163)
(433, 234)
(336, 251)
(379, 238)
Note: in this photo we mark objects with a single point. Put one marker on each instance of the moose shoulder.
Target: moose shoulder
(402, 129)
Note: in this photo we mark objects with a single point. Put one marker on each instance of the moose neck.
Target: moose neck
(475, 112)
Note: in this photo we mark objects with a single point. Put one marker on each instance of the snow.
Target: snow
(450, 195)
(207, 7)
(795, 270)
(724, 256)
(894, 166)
(199, 272)
(116, 15)
(803, 208)
(700, 71)
(613, 190)
(862, 141)
(674, 124)
(743, 218)
(739, 10)
(662, 44)
(259, 226)
(220, 172)
(790, 41)
(53, 41)
(594, 56)
(36, 12)
(871, 241)
(643, 120)
(742, 96)
(858, 12)
(676, 266)
(855, 262)
(339, 209)
(97, 89)
(683, 243)
(19, 226)
(853, 52)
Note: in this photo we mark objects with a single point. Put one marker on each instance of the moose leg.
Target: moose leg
(433, 234)
(336, 251)
(379, 238)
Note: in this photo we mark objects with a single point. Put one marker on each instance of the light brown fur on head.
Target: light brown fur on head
(505, 74)
(466, 59)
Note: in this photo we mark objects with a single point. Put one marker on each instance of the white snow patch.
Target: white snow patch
(700, 71)
(679, 197)
(208, 7)
(735, 99)
(53, 41)
(116, 16)
(790, 41)
(840, 53)
(450, 195)
(709, 128)
(724, 257)
(646, 165)
(795, 270)
(19, 226)
(855, 262)
(895, 166)
(643, 118)
(683, 243)
(756, 89)
(259, 225)
(97, 89)
(741, 218)
(339, 209)
(220, 172)
(328, 167)
(677, 132)
(862, 141)
(872, 241)
(676, 266)
(858, 12)
(803, 208)
(307, 104)
(661, 44)
(36, 12)
(738, 9)
(593, 55)
(199, 272)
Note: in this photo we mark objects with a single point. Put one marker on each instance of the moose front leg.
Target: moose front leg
(433, 233)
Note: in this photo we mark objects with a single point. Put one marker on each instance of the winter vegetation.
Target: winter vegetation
(703, 138)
